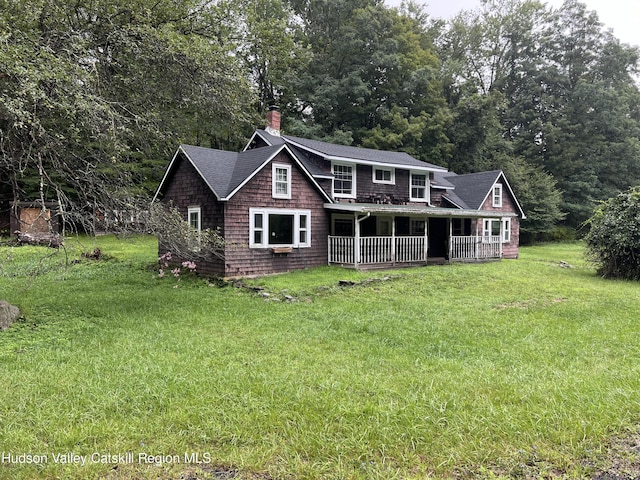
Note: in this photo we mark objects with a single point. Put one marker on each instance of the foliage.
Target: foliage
(178, 237)
(613, 240)
(556, 86)
(94, 93)
(500, 369)
(374, 75)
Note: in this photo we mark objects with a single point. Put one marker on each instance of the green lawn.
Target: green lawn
(515, 368)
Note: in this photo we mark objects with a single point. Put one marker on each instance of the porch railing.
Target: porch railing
(476, 247)
(372, 250)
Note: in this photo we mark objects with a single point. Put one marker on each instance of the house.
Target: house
(287, 203)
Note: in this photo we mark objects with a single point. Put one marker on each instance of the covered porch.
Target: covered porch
(369, 236)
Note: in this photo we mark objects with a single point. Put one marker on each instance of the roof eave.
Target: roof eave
(170, 167)
(417, 210)
(263, 164)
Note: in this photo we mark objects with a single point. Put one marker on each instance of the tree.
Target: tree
(270, 47)
(373, 77)
(613, 241)
(553, 84)
(91, 89)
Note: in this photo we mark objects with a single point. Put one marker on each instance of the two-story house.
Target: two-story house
(287, 203)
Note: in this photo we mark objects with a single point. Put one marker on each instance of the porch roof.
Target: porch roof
(365, 208)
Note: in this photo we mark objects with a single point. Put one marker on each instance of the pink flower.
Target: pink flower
(160, 273)
(176, 272)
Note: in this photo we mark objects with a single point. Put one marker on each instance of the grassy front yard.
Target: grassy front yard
(514, 368)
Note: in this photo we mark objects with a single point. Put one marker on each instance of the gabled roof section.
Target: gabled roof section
(226, 172)
(472, 189)
(266, 137)
(363, 155)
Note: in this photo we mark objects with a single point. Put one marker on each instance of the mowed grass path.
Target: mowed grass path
(513, 368)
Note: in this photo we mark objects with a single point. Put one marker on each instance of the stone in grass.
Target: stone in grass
(8, 314)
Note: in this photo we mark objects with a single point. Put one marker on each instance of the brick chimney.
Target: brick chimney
(273, 121)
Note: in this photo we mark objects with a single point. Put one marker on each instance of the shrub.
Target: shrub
(613, 241)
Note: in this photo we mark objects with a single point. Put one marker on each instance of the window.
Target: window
(258, 229)
(506, 230)
(384, 226)
(344, 180)
(497, 195)
(461, 227)
(384, 175)
(419, 187)
(491, 228)
(194, 219)
(417, 227)
(276, 227)
(281, 229)
(281, 181)
(343, 226)
(303, 229)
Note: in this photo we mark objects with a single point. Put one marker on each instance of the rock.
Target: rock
(8, 314)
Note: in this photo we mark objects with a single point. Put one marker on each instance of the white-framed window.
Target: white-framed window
(506, 230)
(384, 175)
(419, 190)
(344, 181)
(274, 227)
(281, 181)
(497, 195)
(491, 228)
(194, 217)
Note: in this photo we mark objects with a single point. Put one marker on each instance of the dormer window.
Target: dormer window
(497, 195)
(418, 187)
(384, 175)
(344, 180)
(281, 184)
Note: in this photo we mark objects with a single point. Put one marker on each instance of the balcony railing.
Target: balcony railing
(377, 250)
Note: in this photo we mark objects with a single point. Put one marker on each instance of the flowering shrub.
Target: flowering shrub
(165, 263)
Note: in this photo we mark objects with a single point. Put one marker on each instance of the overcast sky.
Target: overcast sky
(623, 16)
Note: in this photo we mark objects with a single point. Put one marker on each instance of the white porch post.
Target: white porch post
(450, 243)
(356, 243)
(426, 239)
(393, 239)
(501, 235)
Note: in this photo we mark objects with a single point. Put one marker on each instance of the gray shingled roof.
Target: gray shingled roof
(225, 171)
(271, 139)
(358, 153)
(471, 189)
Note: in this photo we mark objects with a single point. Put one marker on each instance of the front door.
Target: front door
(438, 237)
